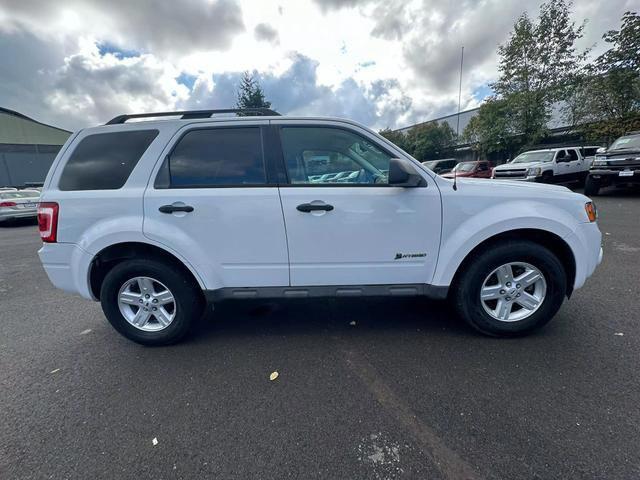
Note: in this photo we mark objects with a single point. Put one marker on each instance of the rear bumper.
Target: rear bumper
(67, 267)
(11, 214)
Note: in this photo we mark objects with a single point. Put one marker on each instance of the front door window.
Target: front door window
(333, 156)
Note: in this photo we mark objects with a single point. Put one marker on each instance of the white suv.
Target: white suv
(552, 165)
(157, 218)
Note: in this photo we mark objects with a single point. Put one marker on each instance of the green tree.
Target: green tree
(492, 130)
(397, 138)
(250, 94)
(538, 64)
(430, 141)
(606, 102)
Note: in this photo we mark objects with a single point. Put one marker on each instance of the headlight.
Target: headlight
(534, 172)
(599, 163)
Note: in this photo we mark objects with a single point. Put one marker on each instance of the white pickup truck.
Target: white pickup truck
(157, 218)
(553, 165)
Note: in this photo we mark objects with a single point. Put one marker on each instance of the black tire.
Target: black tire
(547, 177)
(188, 300)
(466, 290)
(591, 186)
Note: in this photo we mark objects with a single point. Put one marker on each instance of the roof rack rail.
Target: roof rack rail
(191, 114)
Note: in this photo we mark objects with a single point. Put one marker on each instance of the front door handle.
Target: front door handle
(175, 208)
(313, 207)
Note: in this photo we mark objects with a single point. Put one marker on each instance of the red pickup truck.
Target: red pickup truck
(479, 169)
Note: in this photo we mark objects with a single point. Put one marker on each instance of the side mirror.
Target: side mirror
(403, 174)
(601, 150)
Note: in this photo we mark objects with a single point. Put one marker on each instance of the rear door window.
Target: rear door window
(104, 161)
(215, 157)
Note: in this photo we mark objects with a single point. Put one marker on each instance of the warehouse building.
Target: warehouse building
(560, 135)
(27, 148)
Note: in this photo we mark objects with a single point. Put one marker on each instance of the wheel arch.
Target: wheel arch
(548, 239)
(110, 256)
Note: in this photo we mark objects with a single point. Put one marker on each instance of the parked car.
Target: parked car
(478, 169)
(552, 165)
(619, 165)
(155, 219)
(18, 204)
(441, 166)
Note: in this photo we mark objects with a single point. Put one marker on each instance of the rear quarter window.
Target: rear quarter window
(104, 161)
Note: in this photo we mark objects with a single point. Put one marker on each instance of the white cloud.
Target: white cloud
(383, 62)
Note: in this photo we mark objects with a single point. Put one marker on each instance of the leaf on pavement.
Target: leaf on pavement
(273, 376)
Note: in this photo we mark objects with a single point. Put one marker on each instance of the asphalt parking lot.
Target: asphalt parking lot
(406, 392)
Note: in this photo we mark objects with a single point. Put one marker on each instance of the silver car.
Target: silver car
(18, 204)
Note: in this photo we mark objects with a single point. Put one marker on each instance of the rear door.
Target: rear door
(576, 163)
(213, 201)
(345, 224)
(563, 167)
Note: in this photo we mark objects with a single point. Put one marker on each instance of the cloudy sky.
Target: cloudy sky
(386, 63)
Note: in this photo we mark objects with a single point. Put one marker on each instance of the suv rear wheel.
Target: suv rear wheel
(511, 289)
(150, 302)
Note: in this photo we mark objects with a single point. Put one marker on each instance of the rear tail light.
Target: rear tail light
(48, 221)
(7, 204)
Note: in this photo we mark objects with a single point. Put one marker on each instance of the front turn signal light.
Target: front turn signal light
(592, 213)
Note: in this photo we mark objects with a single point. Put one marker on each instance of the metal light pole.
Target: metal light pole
(459, 95)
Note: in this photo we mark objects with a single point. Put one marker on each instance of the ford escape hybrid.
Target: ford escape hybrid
(159, 217)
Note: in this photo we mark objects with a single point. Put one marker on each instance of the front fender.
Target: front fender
(460, 237)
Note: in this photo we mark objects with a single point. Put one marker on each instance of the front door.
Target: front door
(213, 202)
(345, 224)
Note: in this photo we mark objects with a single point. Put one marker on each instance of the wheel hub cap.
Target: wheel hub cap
(513, 291)
(147, 304)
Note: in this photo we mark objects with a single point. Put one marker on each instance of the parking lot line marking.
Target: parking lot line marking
(450, 464)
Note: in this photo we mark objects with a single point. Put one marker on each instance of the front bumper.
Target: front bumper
(519, 179)
(586, 244)
(67, 267)
(614, 175)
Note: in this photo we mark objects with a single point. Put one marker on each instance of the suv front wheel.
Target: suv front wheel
(511, 289)
(150, 302)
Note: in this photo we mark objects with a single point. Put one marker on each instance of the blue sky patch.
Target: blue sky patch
(187, 80)
(482, 92)
(105, 48)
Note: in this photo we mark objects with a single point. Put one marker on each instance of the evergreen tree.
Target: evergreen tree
(250, 94)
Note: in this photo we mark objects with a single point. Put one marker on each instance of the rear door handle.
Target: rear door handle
(312, 207)
(175, 208)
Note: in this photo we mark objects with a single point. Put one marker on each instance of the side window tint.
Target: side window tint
(325, 155)
(572, 155)
(104, 161)
(217, 157)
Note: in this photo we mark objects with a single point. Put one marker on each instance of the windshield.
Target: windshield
(430, 164)
(465, 167)
(528, 157)
(626, 143)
